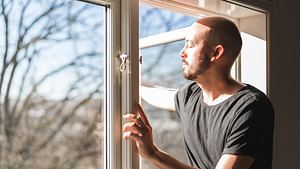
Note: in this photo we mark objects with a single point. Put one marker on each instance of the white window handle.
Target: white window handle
(123, 62)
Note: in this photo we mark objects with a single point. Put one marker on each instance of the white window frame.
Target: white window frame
(130, 77)
(120, 94)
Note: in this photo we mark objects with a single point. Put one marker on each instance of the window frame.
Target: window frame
(112, 156)
(130, 77)
(120, 92)
(121, 88)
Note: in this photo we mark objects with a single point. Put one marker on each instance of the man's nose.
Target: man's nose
(183, 54)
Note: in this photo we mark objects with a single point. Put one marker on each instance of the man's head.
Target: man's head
(212, 43)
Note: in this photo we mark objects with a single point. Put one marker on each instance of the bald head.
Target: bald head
(222, 32)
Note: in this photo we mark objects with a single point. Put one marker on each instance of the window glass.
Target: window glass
(162, 67)
(154, 21)
(51, 59)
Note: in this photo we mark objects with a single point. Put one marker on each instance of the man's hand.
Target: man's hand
(139, 130)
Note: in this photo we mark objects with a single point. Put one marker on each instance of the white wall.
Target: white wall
(254, 25)
(253, 53)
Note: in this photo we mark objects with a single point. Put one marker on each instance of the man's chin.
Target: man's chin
(189, 76)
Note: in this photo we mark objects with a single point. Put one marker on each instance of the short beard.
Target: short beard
(199, 68)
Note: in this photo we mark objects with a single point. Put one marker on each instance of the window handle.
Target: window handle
(123, 62)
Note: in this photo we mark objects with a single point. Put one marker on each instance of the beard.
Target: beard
(192, 71)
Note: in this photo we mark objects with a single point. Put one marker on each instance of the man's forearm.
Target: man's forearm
(161, 160)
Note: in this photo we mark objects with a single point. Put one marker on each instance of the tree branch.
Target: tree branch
(52, 7)
(6, 37)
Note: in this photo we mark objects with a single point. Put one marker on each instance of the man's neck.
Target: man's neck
(216, 90)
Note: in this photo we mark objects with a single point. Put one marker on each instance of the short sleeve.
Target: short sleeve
(251, 130)
(177, 102)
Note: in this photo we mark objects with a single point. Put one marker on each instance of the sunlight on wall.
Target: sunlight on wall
(253, 61)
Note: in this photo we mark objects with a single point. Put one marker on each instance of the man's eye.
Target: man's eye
(189, 44)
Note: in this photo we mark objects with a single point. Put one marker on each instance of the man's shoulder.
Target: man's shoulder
(251, 97)
(185, 95)
(188, 88)
(187, 92)
(253, 94)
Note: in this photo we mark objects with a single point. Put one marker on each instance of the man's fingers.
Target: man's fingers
(133, 127)
(133, 136)
(134, 118)
(142, 114)
(129, 116)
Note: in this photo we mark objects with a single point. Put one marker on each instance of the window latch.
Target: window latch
(123, 62)
(141, 59)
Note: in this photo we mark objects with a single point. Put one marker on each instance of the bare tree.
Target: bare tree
(35, 130)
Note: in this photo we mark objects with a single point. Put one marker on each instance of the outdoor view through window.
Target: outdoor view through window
(51, 84)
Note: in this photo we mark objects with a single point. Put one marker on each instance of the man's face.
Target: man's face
(194, 55)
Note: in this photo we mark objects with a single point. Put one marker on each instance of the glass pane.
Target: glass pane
(51, 59)
(162, 67)
(154, 21)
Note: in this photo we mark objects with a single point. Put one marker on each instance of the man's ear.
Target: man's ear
(218, 52)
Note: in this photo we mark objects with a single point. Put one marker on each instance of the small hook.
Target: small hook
(123, 64)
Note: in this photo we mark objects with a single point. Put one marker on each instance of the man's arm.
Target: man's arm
(164, 161)
(228, 161)
(140, 131)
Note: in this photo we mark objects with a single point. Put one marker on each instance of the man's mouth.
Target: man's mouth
(184, 62)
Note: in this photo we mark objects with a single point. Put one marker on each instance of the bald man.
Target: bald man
(226, 124)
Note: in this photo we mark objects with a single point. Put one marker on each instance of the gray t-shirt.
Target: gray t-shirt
(242, 124)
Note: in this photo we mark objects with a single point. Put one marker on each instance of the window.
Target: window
(52, 84)
(61, 91)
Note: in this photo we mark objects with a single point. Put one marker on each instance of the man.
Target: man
(226, 124)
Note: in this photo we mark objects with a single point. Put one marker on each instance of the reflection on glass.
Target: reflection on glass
(51, 84)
